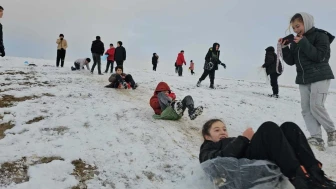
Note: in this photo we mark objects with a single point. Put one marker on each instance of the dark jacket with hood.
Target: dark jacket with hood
(229, 147)
(120, 53)
(213, 56)
(2, 48)
(270, 61)
(154, 59)
(97, 47)
(311, 55)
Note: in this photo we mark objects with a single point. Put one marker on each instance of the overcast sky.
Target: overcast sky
(244, 28)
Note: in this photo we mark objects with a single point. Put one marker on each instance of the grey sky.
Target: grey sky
(244, 28)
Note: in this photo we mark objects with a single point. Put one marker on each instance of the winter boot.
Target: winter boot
(301, 179)
(195, 112)
(178, 107)
(319, 178)
(274, 95)
(317, 142)
(212, 86)
(135, 86)
(331, 138)
(198, 83)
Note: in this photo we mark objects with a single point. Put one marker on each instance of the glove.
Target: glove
(223, 65)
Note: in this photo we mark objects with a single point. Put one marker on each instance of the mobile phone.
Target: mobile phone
(289, 39)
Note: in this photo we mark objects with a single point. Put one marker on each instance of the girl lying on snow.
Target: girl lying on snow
(286, 146)
(166, 107)
(120, 79)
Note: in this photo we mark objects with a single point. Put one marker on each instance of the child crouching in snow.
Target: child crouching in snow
(80, 63)
(166, 107)
(120, 79)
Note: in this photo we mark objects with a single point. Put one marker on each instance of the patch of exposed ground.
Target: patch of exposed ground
(12, 72)
(17, 171)
(10, 100)
(4, 127)
(36, 119)
(60, 130)
(83, 172)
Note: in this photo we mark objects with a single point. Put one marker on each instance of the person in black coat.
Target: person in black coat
(97, 50)
(271, 69)
(286, 146)
(2, 47)
(120, 54)
(155, 59)
(211, 65)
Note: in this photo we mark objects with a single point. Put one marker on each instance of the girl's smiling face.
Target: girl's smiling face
(217, 132)
(298, 27)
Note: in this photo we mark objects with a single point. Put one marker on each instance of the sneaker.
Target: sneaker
(319, 178)
(178, 107)
(331, 138)
(198, 83)
(197, 111)
(317, 142)
(135, 86)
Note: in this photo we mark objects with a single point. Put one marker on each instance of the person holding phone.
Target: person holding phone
(310, 52)
(271, 69)
(62, 45)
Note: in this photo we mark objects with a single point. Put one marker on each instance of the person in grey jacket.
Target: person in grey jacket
(80, 63)
(310, 52)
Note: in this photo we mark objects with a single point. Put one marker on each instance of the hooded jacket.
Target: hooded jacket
(311, 55)
(180, 59)
(213, 56)
(270, 60)
(155, 59)
(154, 101)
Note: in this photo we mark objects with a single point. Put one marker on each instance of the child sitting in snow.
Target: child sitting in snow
(191, 67)
(80, 63)
(120, 79)
(166, 107)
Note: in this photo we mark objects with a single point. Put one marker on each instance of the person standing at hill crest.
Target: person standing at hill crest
(62, 45)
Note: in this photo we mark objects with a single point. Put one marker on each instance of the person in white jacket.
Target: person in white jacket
(80, 63)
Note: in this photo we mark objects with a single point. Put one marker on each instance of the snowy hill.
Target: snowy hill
(65, 130)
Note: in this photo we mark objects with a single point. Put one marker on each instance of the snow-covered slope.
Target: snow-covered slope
(113, 131)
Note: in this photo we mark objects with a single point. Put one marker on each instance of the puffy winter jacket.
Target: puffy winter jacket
(180, 59)
(213, 56)
(228, 147)
(271, 61)
(97, 47)
(120, 54)
(154, 101)
(110, 53)
(311, 56)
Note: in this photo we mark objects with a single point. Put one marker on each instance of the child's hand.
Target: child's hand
(248, 133)
(282, 42)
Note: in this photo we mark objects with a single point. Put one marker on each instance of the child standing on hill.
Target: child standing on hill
(310, 52)
(110, 58)
(166, 107)
(191, 67)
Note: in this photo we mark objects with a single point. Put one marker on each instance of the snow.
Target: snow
(114, 131)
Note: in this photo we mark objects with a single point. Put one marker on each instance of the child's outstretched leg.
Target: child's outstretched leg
(188, 102)
(130, 79)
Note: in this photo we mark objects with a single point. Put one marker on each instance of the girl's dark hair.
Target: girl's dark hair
(207, 126)
(1, 8)
(297, 16)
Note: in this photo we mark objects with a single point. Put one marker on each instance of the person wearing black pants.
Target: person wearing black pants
(61, 50)
(97, 50)
(120, 54)
(271, 69)
(211, 65)
(286, 146)
(155, 61)
(2, 48)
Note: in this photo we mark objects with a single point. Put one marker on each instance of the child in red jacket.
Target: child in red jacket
(164, 98)
(110, 58)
